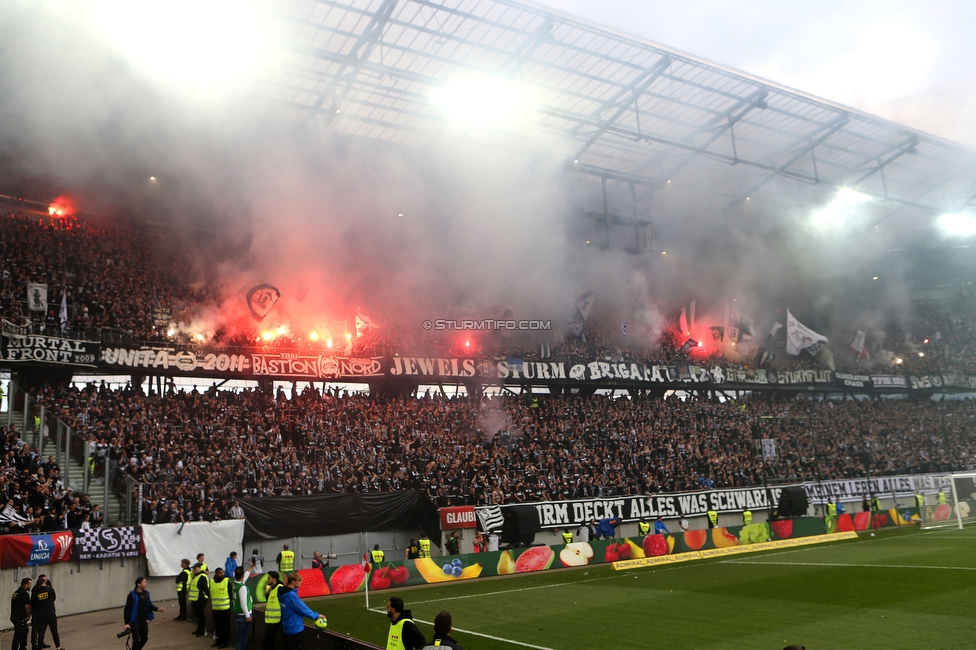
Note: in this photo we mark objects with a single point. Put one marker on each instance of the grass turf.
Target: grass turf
(896, 590)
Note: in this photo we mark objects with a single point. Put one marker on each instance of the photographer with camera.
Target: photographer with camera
(44, 613)
(20, 613)
(138, 612)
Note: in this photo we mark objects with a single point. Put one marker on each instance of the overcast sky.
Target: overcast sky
(910, 61)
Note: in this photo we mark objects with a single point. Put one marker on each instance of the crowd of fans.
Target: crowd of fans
(200, 453)
(125, 280)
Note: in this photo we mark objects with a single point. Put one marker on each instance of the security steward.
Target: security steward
(746, 517)
(404, 633)
(442, 633)
(712, 518)
(286, 560)
(876, 504)
(377, 554)
(272, 612)
(182, 585)
(831, 508)
(942, 497)
(424, 545)
(567, 537)
(198, 595)
(919, 500)
(220, 607)
(44, 613)
(643, 527)
(20, 613)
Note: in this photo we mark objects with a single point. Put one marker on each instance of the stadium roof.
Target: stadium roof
(618, 106)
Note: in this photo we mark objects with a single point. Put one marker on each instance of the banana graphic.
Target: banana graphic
(431, 572)
(635, 550)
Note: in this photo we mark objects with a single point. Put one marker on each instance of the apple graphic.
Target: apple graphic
(576, 554)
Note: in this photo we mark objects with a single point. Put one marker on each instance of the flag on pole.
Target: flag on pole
(64, 311)
(799, 337)
(857, 343)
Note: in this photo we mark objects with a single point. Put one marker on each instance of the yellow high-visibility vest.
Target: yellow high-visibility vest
(377, 556)
(220, 595)
(195, 594)
(643, 527)
(287, 561)
(272, 613)
(746, 517)
(394, 641)
(189, 576)
(424, 548)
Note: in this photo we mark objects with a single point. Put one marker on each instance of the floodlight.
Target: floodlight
(840, 209)
(482, 99)
(957, 224)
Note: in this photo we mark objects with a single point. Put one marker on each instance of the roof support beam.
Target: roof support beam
(814, 141)
(361, 51)
(621, 100)
(896, 152)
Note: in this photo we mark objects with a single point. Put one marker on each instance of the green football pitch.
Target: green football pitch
(900, 589)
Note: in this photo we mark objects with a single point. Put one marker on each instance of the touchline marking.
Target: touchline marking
(841, 564)
(507, 591)
(481, 634)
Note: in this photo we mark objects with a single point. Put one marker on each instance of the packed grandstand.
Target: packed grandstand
(198, 451)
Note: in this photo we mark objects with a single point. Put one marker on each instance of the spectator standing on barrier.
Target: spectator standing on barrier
(198, 595)
(243, 606)
(182, 586)
(286, 560)
(294, 612)
(272, 612)
(424, 545)
(220, 594)
(404, 633)
(139, 610)
(20, 614)
(44, 613)
(231, 564)
(442, 633)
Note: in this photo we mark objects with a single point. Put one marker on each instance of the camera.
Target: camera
(123, 633)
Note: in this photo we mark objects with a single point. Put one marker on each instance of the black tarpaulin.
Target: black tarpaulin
(339, 514)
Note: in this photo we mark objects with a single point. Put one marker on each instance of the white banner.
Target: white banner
(167, 544)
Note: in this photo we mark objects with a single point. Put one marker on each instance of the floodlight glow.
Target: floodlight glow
(482, 100)
(957, 224)
(839, 210)
(203, 45)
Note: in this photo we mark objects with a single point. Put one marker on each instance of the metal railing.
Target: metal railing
(82, 465)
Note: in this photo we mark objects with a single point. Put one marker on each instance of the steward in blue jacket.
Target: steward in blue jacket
(293, 610)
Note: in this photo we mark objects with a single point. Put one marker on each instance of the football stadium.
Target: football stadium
(351, 324)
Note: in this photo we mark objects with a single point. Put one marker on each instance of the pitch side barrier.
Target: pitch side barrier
(693, 544)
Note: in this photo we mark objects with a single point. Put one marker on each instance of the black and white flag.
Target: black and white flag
(37, 296)
(490, 518)
(105, 543)
(799, 337)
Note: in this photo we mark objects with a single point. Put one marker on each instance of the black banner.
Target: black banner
(106, 543)
(339, 514)
(48, 349)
